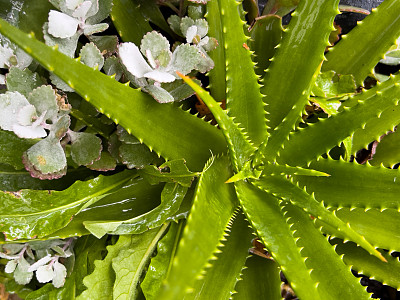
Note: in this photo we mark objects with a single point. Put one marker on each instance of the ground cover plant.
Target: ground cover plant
(147, 146)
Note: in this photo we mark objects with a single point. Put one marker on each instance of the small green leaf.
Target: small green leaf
(22, 81)
(91, 56)
(46, 159)
(105, 43)
(185, 58)
(60, 128)
(85, 147)
(159, 94)
(21, 274)
(105, 163)
(177, 172)
(44, 99)
(156, 44)
(330, 84)
(112, 66)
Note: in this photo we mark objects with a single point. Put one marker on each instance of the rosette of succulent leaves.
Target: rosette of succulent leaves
(281, 160)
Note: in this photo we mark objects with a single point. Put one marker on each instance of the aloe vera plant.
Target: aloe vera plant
(177, 225)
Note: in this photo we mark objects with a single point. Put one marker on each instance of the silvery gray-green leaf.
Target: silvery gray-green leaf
(45, 101)
(22, 81)
(85, 147)
(91, 56)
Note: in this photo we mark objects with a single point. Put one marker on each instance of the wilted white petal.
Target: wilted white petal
(5, 55)
(10, 266)
(191, 33)
(29, 132)
(25, 115)
(45, 273)
(40, 262)
(81, 11)
(3, 255)
(133, 60)
(72, 4)
(160, 76)
(204, 41)
(2, 79)
(60, 272)
(62, 25)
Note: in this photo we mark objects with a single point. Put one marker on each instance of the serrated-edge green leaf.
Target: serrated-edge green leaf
(243, 98)
(215, 202)
(324, 268)
(221, 277)
(357, 56)
(301, 148)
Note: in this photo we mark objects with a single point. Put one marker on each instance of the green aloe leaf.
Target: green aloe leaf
(387, 151)
(107, 95)
(370, 104)
(260, 280)
(276, 236)
(22, 221)
(381, 228)
(161, 264)
(266, 34)
(310, 41)
(356, 56)
(216, 202)
(362, 262)
(171, 199)
(243, 97)
(221, 277)
(284, 189)
(353, 185)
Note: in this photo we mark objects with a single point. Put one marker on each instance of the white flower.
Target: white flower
(135, 63)
(73, 19)
(17, 58)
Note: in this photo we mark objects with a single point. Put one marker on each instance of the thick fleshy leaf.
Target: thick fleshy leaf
(91, 56)
(112, 66)
(221, 278)
(82, 10)
(22, 221)
(159, 76)
(62, 25)
(105, 163)
(215, 201)
(66, 46)
(21, 273)
(92, 29)
(60, 127)
(85, 147)
(387, 151)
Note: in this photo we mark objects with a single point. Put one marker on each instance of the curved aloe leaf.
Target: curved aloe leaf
(282, 188)
(356, 56)
(380, 228)
(266, 34)
(240, 148)
(387, 151)
(243, 97)
(353, 185)
(171, 199)
(216, 202)
(362, 262)
(217, 75)
(276, 236)
(31, 213)
(173, 139)
(375, 128)
(220, 279)
(161, 264)
(302, 149)
(302, 48)
(260, 280)
(324, 267)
